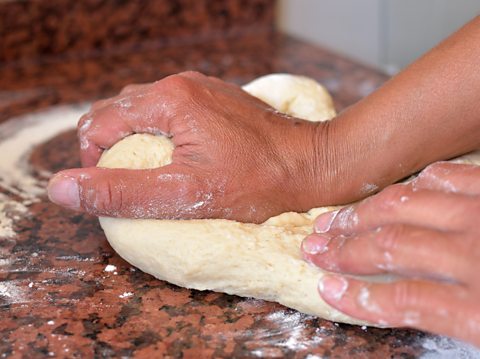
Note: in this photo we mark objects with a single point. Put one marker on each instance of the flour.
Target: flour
(294, 327)
(125, 295)
(446, 348)
(10, 211)
(110, 268)
(18, 137)
(12, 292)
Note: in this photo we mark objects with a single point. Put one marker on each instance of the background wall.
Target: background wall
(388, 34)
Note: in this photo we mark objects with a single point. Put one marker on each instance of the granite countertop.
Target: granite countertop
(65, 293)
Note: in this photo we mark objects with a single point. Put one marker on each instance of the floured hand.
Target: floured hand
(425, 231)
(235, 157)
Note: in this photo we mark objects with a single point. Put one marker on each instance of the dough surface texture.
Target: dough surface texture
(250, 260)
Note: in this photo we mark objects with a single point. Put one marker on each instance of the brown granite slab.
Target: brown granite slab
(38, 30)
(59, 294)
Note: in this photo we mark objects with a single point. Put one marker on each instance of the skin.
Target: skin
(427, 233)
(214, 127)
(429, 112)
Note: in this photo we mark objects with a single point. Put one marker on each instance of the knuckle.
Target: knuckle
(128, 88)
(345, 219)
(436, 166)
(84, 123)
(83, 127)
(392, 196)
(389, 237)
(192, 74)
(182, 85)
(103, 197)
(437, 171)
(406, 295)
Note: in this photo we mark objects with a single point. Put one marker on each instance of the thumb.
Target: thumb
(168, 192)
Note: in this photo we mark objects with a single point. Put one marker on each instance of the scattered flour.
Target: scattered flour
(10, 211)
(125, 295)
(11, 293)
(18, 136)
(446, 348)
(110, 268)
(293, 326)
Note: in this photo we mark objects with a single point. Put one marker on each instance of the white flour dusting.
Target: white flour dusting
(11, 292)
(446, 348)
(125, 295)
(294, 326)
(18, 136)
(9, 212)
(110, 268)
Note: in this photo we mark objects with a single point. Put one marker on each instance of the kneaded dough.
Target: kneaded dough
(251, 260)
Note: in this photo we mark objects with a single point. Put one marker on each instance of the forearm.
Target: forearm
(429, 112)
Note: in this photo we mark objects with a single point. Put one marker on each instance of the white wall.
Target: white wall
(348, 26)
(388, 34)
(415, 26)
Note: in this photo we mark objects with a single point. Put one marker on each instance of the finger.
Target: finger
(90, 132)
(129, 89)
(90, 154)
(450, 177)
(169, 192)
(412, 303)
(109, 134)
(193, 75)
(402, 204)
(399, 249)
(134, 88)
(146, 112)
(106, 126)
(100, 103)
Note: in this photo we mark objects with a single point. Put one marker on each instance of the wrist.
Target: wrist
(309, 159)
(326, 165)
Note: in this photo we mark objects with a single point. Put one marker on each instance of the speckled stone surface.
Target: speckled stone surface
(63, 290)
(33, 30)
(54, 51)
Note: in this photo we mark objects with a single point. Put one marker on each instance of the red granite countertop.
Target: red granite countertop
(56, 297)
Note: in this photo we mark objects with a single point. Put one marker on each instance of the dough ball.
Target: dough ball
(297, 96)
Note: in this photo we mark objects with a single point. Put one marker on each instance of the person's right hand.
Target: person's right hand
(235, 157)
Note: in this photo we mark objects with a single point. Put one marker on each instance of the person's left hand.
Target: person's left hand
(428, 233)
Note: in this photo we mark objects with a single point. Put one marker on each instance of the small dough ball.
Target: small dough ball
(297, 96)
(138, 152)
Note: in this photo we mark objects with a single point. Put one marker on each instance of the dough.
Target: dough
(261, 261)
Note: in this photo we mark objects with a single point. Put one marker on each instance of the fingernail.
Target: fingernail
(332, 286)
(324, 221)
(63, 190)
(315, 244)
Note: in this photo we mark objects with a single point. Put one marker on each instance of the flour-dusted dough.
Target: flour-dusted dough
(262, 261)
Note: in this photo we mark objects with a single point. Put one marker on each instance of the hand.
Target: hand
(235, 157)
(428, 233)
